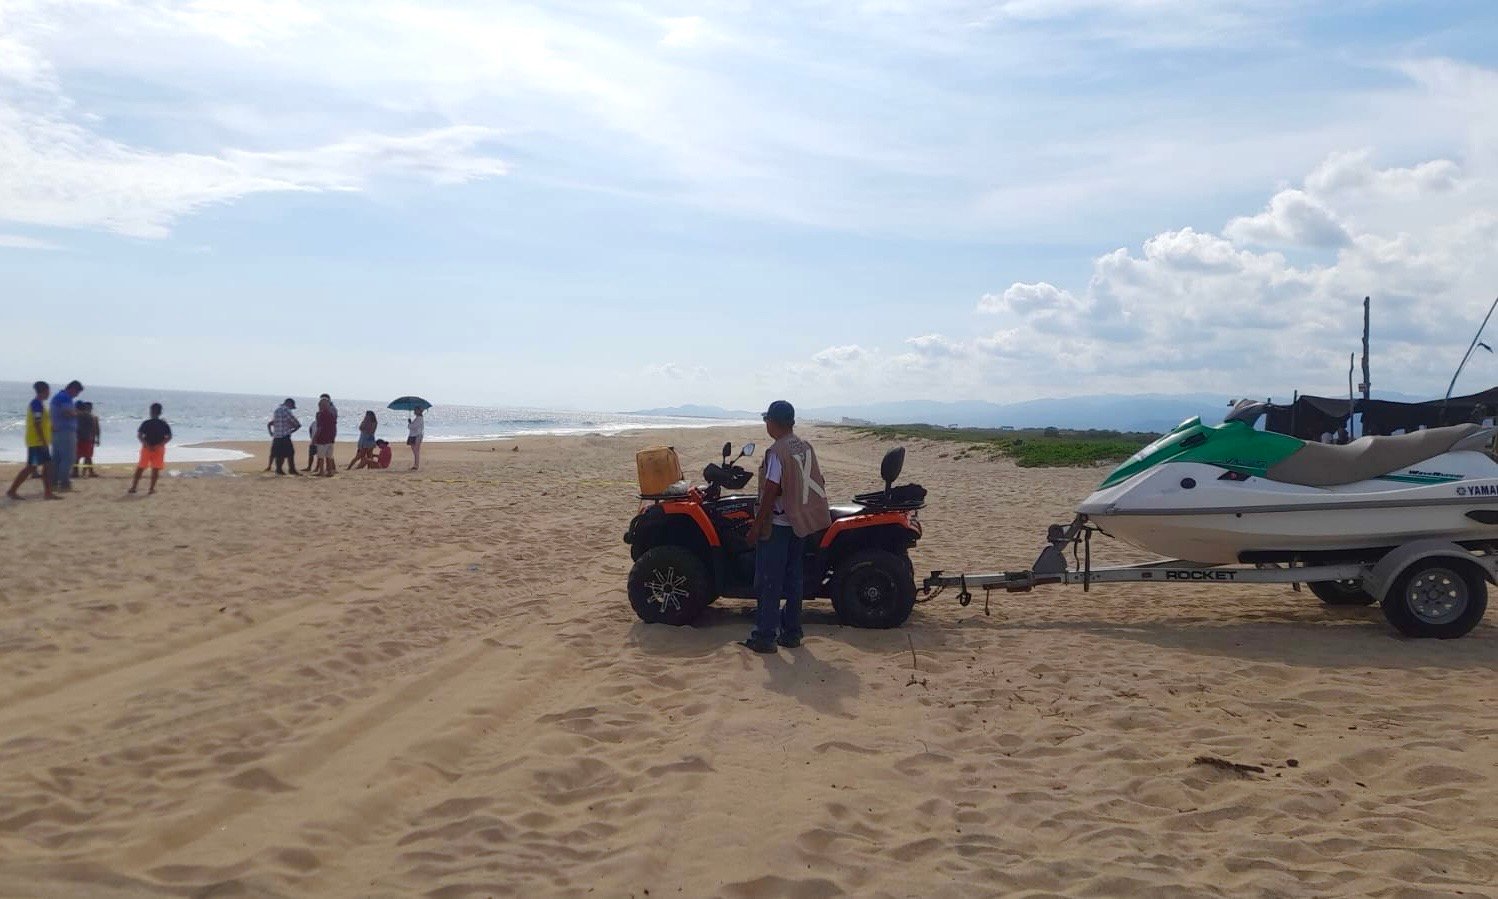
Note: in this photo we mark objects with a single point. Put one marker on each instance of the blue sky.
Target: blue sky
(616, 205)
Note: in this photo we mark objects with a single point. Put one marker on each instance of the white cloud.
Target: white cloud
(835, 357)
(58, 169)
(60, 174)
(1295, 219)
(673, 371)
(686, 31)
(935, 346)
(1350, 173)
(1045, 306)
(22, 242)
(246, 23)
(878, 119)
(1194, 310)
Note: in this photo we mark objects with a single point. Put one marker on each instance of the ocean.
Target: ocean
(198, 417)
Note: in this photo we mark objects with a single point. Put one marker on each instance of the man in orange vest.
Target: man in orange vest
(792, 507)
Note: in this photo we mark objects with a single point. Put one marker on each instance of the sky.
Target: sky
(617, 205)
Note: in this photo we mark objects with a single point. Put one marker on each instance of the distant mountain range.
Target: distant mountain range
(1142, 412)
(1132, 412)
(691, 410)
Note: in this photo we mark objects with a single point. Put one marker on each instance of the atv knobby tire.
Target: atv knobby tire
(873, 588)
(1342, 593)
(669, 585)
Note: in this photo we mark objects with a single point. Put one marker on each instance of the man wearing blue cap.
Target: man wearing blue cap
(792, 507)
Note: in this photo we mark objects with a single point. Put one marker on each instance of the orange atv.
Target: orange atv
(691, 547)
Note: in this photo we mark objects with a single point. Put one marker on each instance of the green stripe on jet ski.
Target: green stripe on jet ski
(1232, 445)
(1419, 478)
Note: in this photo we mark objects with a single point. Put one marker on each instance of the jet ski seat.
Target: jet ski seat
(1322, 465)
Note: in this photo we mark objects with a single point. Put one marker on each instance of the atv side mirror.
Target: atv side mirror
(748, 449)
(893, 464)
(727, 450)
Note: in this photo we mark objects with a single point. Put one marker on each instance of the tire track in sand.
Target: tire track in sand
(358, 741)
(111, 685)
(386, 742)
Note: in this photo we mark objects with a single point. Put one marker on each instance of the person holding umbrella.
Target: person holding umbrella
(416, 427)
(415, 424)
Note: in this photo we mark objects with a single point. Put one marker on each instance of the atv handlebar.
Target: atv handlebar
(732, 477)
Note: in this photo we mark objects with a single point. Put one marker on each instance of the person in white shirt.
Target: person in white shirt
(415, 430)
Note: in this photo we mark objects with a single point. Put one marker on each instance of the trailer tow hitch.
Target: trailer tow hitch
(964, 595)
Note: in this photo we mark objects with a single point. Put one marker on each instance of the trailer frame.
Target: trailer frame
(1427, 588)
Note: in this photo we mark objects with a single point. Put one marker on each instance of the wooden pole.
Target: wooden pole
(1352, 402)
(1367, 379)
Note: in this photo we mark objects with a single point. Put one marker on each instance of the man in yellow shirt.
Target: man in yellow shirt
(38, 438)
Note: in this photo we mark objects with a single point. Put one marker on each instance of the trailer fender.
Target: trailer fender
(1387, 570)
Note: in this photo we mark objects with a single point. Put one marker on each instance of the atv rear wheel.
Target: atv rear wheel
(669, 585)
(873, 588)
(1342, 593)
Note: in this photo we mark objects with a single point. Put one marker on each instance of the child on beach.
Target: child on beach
(88, 439)
(38, 438)
(154, 434)
(379, 457)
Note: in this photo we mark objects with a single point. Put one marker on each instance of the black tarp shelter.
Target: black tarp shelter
(1311, 416)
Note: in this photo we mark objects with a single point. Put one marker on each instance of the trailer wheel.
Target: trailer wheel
(874, 588)
(1439, 597)
(669, 585)
(1342, 593)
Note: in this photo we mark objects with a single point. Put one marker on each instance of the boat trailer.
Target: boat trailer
(1427, 588)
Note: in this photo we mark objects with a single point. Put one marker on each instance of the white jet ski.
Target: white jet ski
(1230, 493)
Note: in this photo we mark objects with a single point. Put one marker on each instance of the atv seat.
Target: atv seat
(1322, 465)
(844, 511)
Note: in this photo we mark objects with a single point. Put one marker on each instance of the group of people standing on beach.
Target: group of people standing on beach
(370, 452)
(61, 434)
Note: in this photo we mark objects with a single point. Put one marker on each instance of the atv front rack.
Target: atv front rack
(905, 498)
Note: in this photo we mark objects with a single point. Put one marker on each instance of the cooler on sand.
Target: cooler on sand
(659, 468)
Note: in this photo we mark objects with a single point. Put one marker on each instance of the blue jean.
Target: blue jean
(64, 454)
(777, 573)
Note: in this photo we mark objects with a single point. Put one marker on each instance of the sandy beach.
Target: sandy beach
(431, 684)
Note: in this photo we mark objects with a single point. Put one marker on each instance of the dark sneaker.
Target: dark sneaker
(758, 645)
(788, 641)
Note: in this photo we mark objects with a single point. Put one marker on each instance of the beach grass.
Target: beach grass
(1028, 447)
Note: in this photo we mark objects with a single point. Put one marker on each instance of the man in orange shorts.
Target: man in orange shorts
(154, 434)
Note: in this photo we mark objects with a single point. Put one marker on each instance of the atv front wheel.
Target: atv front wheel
(873, 588)
(669, 585)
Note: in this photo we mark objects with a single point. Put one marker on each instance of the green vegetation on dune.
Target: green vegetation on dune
(1029, 447)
